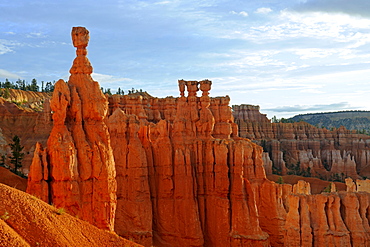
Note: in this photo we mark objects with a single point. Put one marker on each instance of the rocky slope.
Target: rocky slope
(12, 180)
(184, 177)
(27, 221)
(300, 148)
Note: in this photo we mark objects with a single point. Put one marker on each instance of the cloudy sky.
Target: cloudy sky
(289, 57)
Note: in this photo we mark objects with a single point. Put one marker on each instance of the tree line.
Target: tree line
(281, 120)
(121, 92)
(46, 87)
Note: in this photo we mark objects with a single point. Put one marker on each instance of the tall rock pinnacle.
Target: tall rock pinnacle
(80, 156)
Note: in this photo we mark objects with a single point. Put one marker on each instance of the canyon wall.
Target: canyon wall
(27, 115)
(305, 149)
(184, 177)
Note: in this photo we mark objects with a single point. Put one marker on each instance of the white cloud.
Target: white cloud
(315, 53)
(4, 49)
(162, 2)
(6, 46)
(353, 7)
(334, 27)
(311, 90)
(238, 59)
(242, 13)
(108, 79)
(9, 75)
(36, 35)
(263, 11)
(313, 108)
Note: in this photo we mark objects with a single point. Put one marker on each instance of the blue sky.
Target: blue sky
(290, 57)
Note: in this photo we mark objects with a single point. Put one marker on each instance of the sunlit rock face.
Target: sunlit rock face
(328, 154)
(79, 159)
(174, 172)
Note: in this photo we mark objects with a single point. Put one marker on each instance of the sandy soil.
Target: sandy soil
(27, 221)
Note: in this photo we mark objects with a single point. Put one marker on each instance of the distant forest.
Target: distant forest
(46, 87)
(358, 120)
(121, 92)
(326, 113)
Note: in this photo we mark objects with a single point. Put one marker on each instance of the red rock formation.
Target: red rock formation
(184, 176)
(322, 153)
(189, 172)
(82, 169)
(20, 111)
(133, 214)
(39, 174)
(181, 148)
(333, 219)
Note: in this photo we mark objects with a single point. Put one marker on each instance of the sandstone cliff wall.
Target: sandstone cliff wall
(27, 115)
(334, 154)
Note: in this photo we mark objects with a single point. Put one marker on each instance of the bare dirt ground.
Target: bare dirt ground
(27, 221)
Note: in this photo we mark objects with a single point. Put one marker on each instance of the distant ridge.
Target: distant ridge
(358, 120)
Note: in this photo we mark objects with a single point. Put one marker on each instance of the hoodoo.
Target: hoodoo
(184, 176)
(79, 154)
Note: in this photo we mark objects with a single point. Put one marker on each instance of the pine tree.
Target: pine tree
(3, 160)
(327, 188)
(107, 91)
(34, 87)
(280, 180)
(17, 155)
(7, 84)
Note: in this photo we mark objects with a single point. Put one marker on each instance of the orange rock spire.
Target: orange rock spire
(81, 163)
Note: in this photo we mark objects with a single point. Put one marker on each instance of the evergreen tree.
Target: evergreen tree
(327, 188)
(3, 159)
(275, 120)
(280, 180)
(49, 87)
(107, 91)
(34, 87)
(7, 84)
(20, 84)
(17, 155)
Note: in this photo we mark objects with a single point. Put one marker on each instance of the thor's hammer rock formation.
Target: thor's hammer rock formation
(80, 160)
